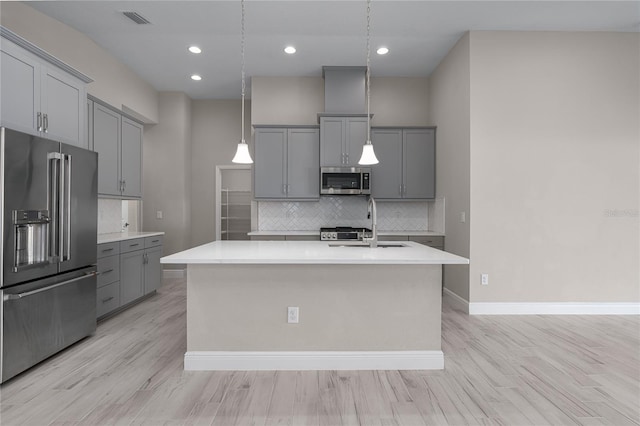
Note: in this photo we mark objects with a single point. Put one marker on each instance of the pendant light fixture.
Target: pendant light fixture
(368, 156)
(242, 154)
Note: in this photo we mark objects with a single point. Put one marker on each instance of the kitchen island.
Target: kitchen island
(359, 307)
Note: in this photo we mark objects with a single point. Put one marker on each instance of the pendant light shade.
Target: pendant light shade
(368, 156)
(242, 153)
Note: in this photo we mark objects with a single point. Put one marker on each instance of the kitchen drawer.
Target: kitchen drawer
(131, 245)
(153, 241)
(108, 299)
(267, 238)
(108, 249)
(302, 237)
(392, 238)
(434, 241)
(108, 270)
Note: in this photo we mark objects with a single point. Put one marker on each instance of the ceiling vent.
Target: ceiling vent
(136, 17)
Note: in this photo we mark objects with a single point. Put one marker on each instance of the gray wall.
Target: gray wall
(555, 125)
(167, 172)
(449, 109)
(216, 132)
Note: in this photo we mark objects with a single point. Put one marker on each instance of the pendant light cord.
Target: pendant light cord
(243, 83)
(368, 71)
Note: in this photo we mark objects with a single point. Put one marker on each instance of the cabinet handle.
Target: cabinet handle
(107, 299)
(39, 122)
(109, 249)
(347, 158)
(134, 245)
(124, 185)
(107, 271)
(46, 123)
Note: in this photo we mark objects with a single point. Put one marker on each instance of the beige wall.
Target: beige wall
(114, 82)
(216, 132)
(554, 149)
(400, 101)
(449, 110)
(286, 100)
(298, 100)
(167, 172)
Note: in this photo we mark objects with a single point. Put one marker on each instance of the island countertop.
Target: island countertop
(311, 252)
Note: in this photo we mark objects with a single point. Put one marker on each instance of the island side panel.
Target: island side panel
(342, 307)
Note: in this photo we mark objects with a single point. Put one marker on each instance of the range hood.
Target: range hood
(344, 90)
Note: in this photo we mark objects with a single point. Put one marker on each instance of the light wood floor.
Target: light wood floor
(524, 370)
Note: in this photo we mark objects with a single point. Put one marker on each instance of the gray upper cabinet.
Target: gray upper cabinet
(118, 142)
(131, 158)
(286, 163)
(419, 163)
(106, 142)
(40, 98)
(407, 163)
(341, 140)
(386, 179)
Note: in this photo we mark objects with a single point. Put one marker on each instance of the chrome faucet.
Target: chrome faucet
(371, 212)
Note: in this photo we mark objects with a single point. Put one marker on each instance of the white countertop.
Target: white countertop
(311, 252)
(380, 233)
(122, 236)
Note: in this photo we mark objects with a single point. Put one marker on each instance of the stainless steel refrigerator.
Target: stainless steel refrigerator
(48, 212)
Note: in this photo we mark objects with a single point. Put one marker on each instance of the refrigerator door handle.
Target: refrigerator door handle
(54, 205)
(40, 290)
(65, 207)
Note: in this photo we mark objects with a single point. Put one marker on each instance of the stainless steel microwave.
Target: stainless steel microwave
(345, 180)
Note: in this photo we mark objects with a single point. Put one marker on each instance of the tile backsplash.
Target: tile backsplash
(114, 214)
(343, 211)
(109, 216)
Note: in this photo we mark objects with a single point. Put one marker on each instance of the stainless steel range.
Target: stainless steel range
(344, 233)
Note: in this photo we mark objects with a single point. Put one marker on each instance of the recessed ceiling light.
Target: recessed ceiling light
(195, 49)
(196, 77)
(290, 50)
(382, 51)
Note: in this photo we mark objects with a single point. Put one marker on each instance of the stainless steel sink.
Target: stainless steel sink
(380, 245)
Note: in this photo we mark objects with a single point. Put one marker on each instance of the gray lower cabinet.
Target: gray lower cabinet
(131, 276)
(38, 97)
(407, 163)
(286, 163)
(128, 270)
(341, 140)
(436, 241)
(108, 294)
(118, 141)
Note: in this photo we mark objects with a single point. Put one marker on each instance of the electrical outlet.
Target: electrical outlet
(484, 279)
(293, 315)
(463, 217)
(159, 214)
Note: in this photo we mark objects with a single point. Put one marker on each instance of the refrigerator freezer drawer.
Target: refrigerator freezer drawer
(39, 320)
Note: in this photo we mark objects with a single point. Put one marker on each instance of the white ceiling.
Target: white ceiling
(418, 34)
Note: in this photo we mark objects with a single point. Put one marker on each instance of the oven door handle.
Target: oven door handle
(40, 290)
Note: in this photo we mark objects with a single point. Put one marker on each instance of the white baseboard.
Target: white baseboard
(457, 301)
(554, 308)
(550, 308)
(314, 360)
(173, 273)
